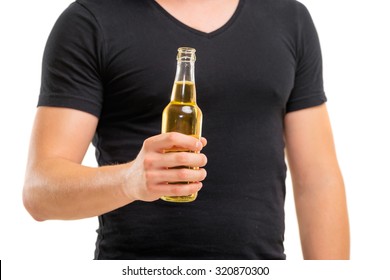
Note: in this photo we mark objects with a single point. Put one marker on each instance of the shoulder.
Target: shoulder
(286, 8)
(280, 16)
(114, 13)
(281, 4)
(111, 7)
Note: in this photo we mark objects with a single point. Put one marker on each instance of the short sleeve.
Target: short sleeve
(73, 62)
(308, 87)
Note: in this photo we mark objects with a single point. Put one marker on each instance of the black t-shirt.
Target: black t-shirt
(117, 59)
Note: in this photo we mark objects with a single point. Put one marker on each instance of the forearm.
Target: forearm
(323, 218)
(57, 188)
(60, 189)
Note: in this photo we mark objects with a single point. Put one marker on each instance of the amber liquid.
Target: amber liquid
(182, 115)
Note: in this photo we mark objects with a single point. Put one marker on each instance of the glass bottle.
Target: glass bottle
(182, 114)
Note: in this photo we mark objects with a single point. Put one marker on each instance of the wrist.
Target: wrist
(126, 180)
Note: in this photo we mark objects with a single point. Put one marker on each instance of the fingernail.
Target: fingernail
(199, 145)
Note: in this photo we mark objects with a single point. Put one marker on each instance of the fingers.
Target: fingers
(172, 140)
(175, 175)
(169, 160)
(172, 182)
(179, 189)
(169, 164)
(204, 141)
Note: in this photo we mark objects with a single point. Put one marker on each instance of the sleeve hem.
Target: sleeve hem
(307, 102)
(69, 102)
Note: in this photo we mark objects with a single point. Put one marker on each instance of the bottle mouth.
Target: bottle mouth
(186, 54)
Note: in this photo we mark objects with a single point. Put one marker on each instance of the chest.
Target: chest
(250, 61)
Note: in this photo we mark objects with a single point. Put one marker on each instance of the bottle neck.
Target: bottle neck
(185, 71)
(184, 86)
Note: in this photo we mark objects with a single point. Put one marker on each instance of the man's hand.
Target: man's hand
(152, 170)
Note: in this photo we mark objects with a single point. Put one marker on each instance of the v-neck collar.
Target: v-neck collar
(214, 33)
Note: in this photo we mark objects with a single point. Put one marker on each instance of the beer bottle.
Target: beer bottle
(182, 114)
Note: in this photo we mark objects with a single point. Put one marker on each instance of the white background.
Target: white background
(354, 35)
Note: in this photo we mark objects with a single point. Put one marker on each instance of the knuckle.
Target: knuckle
(148, 162)
(151, 188)
(148, 178)
(176, 191)
(181, 158)
(182, 174)
(172, 136)
(148, 146)
(146, 143)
